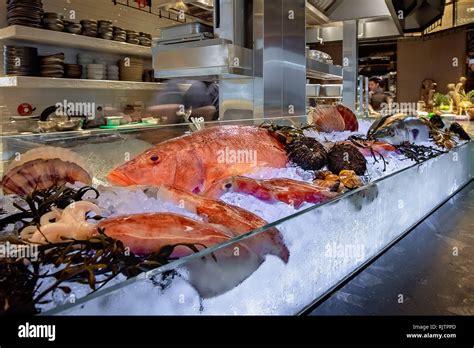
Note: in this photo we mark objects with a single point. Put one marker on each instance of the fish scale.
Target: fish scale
(192, 162)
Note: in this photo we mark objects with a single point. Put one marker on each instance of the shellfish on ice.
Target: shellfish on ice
(43, 168)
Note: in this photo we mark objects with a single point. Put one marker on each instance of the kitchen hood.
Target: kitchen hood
(199, 10)
(416, 15)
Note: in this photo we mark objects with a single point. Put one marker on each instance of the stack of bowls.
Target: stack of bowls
(102, 62)
(106, 30)
(71, 27)
(131, 69)
(73, 71)
(132, 37)
(25, 12)
(84, 60)
(95, 72)
(52, 66)
(89, 27)
(120, 34)
(145, 39)
(53, 21)
(113, 72)
(22, 61)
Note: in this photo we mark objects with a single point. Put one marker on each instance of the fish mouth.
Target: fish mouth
(118, 178)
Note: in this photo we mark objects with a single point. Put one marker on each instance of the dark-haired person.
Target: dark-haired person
(202, 94)
(376, 95)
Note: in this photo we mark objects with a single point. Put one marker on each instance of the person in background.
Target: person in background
(171, 93)
(201, 94)
(376, 95)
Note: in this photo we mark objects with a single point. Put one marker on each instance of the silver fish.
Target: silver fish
(398, 129)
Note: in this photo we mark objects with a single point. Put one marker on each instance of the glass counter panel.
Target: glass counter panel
(104, 149)
(327, 243)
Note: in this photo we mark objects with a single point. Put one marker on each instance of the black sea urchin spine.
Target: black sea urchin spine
(307, 153)
(345, 156)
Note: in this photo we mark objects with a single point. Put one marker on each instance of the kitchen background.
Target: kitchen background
(127, 18)
(410, 59)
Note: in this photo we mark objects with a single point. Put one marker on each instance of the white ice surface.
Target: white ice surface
(364, 219)
(305, 252)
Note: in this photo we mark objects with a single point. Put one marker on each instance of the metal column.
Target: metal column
(350, 58)
(284, 61)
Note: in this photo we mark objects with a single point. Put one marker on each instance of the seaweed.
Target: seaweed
(418, 153)
(359, 142)
(94, 262)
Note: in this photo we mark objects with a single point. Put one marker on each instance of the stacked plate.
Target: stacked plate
(22, 61)
(132, 37)
(73, 71)
(131, 69)
(145, 39)
(84, 60)
(52, 66)
(95, 72)
(71, 27)
(25, 12)
(120, 34)
(89, 27)
(113, 72)
(53, 21)
(106, 30)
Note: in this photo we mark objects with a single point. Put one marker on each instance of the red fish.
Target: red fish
(210, 275)
(378, 147)
(193, 162)
(284, 190)
(236, 220)
(149, 232)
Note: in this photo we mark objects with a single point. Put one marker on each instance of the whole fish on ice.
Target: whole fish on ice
(273, 190)
(235, 220)
(194, 161)
(149, 232)
(398, 129)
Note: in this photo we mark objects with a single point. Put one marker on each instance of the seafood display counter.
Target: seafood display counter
(273, 239)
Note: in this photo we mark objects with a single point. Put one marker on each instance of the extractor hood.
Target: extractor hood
(202, 10)
(199, 10)
(416, 15)
(317, 11)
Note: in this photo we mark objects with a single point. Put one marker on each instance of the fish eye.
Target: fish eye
(154, 157)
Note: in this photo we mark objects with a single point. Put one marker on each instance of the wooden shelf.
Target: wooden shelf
(61, 39)
(49, 82)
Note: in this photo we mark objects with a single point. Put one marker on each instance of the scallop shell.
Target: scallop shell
(326, 118)
(350, 119)
(43, 168)
(50, 152)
